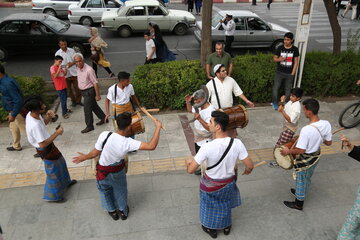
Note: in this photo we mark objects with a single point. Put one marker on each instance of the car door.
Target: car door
(94, 9)
(240, 35)
(160, 16)
(259, 33)
(14, 37)
(45, 39)
(111, 5)
(137, 19)
(60, 6)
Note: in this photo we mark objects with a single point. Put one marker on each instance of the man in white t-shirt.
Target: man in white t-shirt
(57, 175)
(218, 190)
(308, 148)
(150, 49)
(111, 175)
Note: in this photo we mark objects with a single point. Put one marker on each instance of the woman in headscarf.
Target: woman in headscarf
(97, 54)
(163, 54)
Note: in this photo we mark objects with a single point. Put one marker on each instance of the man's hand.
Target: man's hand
(10, 118)
(50, 114)
(250, 103)
(209, 77)
(283, 98)
(60, 130)
(158, 124)
(188, 98)
(106, 117)
(97, 98)
(79, 158)
(280, 108)
(188, 161)
(285, 151)
(197, 116)
(247, 171)
(358, 82)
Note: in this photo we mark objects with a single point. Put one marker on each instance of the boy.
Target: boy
(150, 49)
(58, 76)
(291, 113)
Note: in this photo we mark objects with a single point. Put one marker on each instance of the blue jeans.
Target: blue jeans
(63, 99)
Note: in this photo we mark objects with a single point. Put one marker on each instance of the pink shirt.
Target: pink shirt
(86, 77)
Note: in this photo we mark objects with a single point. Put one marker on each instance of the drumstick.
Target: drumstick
(260, 164)
(149, 115)
(338, 130)
(153, 110)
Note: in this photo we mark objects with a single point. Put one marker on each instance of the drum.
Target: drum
(238, 117)
(286, 162)
(137, 124)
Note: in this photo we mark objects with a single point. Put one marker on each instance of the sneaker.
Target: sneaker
(275, 106)
(273, 164)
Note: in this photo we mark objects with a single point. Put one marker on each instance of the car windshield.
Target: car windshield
(120, 8)
(56, 24)
(216, 17)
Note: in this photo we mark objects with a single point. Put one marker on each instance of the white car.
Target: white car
(87, 12)
(134, 16)
(56, 8)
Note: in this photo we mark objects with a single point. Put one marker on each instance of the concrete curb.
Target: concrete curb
(17, 5)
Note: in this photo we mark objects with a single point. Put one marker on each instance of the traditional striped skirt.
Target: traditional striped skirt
(303, 180)
(285, 137)
(57, 179)
(351, 228)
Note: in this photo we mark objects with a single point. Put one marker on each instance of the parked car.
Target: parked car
(251, 31)
(29, 33)
(87, 12)
(134, 16)
(56, 8)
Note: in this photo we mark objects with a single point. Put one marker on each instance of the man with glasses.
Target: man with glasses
(218, 57)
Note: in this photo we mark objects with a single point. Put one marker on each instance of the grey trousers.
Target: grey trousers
(288, 80)
(90, 106)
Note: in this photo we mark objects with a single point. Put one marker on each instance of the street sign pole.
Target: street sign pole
(302, 36)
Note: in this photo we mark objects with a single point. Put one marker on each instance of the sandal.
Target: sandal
(114, 215)
(227, 230)
(211, 232)
(273, 164)
(122, 214)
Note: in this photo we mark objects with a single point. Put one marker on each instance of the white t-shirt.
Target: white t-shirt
(36, 130)
(310, 138)
(212, 152)
(68, 58)
(293, 110)
(122, 95)
(116, 147)
(149, 45)
(229, 28)
(225, 90)
(205, 114)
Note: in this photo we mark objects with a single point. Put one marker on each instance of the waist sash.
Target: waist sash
(306, 160)
(50, 152)
(208, 184)
(103, 171)
(118, 109)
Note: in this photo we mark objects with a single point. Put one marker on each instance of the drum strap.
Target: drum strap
(216, 93)
(223, 156)
(104, 142)
(115, 102)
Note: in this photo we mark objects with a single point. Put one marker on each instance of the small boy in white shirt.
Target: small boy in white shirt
(150, 49)
(291, 113)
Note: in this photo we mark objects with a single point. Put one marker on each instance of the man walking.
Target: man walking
(229, 28)
(90, 91)
(351, 4)
(218, 190)
(218, 57)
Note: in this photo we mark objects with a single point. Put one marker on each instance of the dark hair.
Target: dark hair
(123, 120)
(147, 33)
(33, 103)
(312, 105)
(2, 69)
(123, 76)
(220, 43)
(157, 33)
(222, 65)
(58, 57)
(221, 118)
(289, 35)
(298, 92)
(62, 40)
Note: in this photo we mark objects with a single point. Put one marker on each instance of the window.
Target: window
(94, 4)
(239, 23)
(256, 24)
(16, 27)
(216, 17)
(155, 11)
(136, 11)
(111, 4)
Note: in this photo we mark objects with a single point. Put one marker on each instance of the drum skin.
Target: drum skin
(137, 124)
(238, 117)
(286, 162)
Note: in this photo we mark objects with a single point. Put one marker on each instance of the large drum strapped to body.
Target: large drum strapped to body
(238, 116)
(286, 162)
(137, 124)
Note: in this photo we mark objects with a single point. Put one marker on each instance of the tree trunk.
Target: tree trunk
(335, 27)
(206, 31)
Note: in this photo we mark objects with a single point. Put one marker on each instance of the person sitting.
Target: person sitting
(35, 29)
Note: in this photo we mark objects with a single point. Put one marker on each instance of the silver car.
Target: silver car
(56, 8)
(251, 31)
(88, 12)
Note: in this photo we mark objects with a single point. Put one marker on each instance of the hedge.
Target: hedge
(164, 85)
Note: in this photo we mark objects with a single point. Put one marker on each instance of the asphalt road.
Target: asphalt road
(126, 53)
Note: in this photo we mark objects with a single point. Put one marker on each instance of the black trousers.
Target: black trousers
(94, 65)
(228, 42)
(253, 2)
(90, 106)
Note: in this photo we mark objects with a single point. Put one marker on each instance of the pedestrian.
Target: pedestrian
(111, 176)
(97, 53)
(90, 90)
(150, 49)
(57, 175)
(190, 4)
(351, 228)
(198, 5)
(253, 2)
(58, 76)
(71, 78)
(337, 5)
(269, 3)
(291, 114)
(351, 4)
(229, 27)
(218, 190)
(287, 58)
(358, 11)
(163, 54)
(218, 57)
(307, 150)
(202, 134)
(12, 102)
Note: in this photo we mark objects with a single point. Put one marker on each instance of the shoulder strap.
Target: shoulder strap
(106, 140)
(115, 100)
(318, 130)
(223, 156)
(216, 93)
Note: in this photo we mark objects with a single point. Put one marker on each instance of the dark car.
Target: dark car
(39, 33)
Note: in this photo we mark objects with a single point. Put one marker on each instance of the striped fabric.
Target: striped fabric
(285, 137)
(57, 179)
(215, 207)
(210, 185)
(351, 228)
(303, 180)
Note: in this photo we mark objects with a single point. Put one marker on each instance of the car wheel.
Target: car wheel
(3, 54)
(276, 45)
(180, 29)
(77, 47)
(50, 12)
(124, 31)
(87, 21)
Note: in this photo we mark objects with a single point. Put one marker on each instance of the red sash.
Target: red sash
(103, 171)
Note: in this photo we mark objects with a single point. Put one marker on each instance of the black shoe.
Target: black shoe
(72, 183)
(198, 172)
(86, 130)
(11, 149)
(292, 190)
(122, 214)
(36, 155)
(73, 104)
(101, 122)
(211, 232)
(227, 230)
(268, 6)
(62, 200)
(114, 215)
(298, 205)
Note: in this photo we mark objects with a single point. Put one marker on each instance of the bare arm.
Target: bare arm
(203, 123)
(327, 143)
(282, 111)
(296, 63)
(230, 69)
(51, 138)
(97, 92)
(188, 103)
(249, 166)
(293, 151)
(207, 68)
(107, 108)
(49, 115)
(278, 58)
(151, 53)
(191, 165)
(82, 157)
(154, 140)
(136, 100)
(248, 102)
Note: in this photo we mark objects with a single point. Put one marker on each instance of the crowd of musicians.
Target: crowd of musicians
(216, 143)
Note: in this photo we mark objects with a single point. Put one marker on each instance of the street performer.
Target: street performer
(111, 176)
(308, 148)
(218, 190)
(57, 175)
